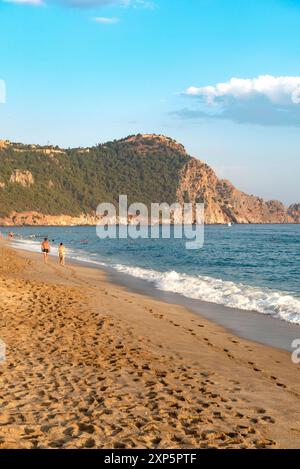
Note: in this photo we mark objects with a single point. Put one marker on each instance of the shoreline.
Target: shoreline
(91, 364)
(24, 225)
(250, 325)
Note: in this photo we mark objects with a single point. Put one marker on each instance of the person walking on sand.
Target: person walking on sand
(45, 249)
(61, 254)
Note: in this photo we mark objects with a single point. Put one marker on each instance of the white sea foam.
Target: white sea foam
(26, 244)
(34, 246)
(279, 304)
(75, 254)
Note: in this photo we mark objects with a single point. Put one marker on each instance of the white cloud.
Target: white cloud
(87, 3)
(264, 100)
(2, 92)
(25, 2)
(277, 90)
(105, 20)
(91, 3)
(101, 3)
(143, 4)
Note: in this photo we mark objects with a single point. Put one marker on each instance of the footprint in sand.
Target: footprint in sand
(281, 385)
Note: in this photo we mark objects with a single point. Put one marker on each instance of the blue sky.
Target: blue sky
(80, 72)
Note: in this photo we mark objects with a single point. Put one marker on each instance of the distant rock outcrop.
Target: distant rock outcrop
(4, 143)
(24, 178)
(38, 219)
(294, 212)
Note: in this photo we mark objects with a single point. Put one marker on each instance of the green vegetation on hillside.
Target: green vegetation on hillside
(75, 181)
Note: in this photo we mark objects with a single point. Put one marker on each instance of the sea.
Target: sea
(249, 267)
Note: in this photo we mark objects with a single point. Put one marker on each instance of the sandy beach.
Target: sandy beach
(92, 365)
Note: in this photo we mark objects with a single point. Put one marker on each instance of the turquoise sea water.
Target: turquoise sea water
(251, 267)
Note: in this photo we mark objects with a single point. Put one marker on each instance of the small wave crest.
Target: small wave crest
(279, 304)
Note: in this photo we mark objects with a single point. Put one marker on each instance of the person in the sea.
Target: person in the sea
(10, 235)
(45, 246)
(61, 254)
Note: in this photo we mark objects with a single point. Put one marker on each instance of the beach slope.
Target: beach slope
(92, 365)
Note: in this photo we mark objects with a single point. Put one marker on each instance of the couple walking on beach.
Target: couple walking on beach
(46, 248)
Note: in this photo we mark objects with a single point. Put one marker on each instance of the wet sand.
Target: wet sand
(249, 325)
(92, 365)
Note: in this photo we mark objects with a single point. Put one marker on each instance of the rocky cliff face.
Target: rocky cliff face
(64, 187)
(142, 142)
(223, 202)
(24, 178)
(38, 219)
